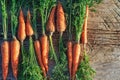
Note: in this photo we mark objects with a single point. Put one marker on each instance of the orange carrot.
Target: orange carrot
(84, 33)
(39, 56)
(51, 21)
(5, 58)
(21, 28)
(15, 52)
(60, 21)
(69, 54)
(76, 55)
(44, 50)
(29, 30)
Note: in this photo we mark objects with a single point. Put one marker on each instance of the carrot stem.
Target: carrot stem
(53, 54)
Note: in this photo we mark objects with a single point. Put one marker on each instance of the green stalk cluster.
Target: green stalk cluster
(85, 72)
(60, 71)
(14, 18)
(4, 18)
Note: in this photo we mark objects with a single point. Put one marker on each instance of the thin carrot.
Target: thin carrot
(51, 20)
(84, 33)
(76, 54)
(39, 55)
(21, 27)
(29, 30)
(69, 54)
(44, 50)
(15, 52)
(5, 59)
(60, 21)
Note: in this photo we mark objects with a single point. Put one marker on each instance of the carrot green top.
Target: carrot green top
(4, 18)
(14, 20)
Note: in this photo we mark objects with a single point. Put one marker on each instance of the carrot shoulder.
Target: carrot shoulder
(45, 50)
(69, 54)
(39, 56)
(21, 27)
(5, 58)
(76, 54)
(60, 21)
(15, 52)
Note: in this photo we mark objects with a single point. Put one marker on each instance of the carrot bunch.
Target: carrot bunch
(74, 49)
(5, 46)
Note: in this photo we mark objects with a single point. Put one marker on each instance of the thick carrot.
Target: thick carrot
(21, 27)
(76, 55)
(39, 56)
(69, 54)
(29, 30)
(5, 59)
(60, 19)
(51, 20)
(45, 50)
(15, 52)
(84, 33)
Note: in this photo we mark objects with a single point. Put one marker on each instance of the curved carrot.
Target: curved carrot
(60, 18)
(15, 52)
(76, 55)
(69, 54)
(51, 20)
(84, 33)
(21, 27)
(5, 59)
(45, 50)
(29, 30)
(39, 55)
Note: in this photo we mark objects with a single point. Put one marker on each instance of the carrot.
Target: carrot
(60, 21)
(29, 30)
(44, 50)
(5, 59)
(76, 54)
(69, 54)
(21, 27)
(84, 33)
(15, 52)
(51, 21)
(39, 56)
